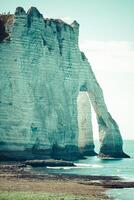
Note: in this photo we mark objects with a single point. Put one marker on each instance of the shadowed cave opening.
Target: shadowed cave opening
(88, 137)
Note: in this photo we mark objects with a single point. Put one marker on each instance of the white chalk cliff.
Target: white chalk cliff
(46, 87)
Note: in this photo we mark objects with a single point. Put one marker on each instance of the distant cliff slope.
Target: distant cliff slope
(46, 86)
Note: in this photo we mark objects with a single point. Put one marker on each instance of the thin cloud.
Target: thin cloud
(122, 46)
(110, 56)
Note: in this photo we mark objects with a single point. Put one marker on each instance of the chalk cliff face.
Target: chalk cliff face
(45, 87)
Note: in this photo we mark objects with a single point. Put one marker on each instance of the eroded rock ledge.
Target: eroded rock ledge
(49, 163)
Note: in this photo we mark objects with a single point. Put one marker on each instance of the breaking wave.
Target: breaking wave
(78, 165)
(83, 165)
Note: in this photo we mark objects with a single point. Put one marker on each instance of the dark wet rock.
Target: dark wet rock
(49, 163)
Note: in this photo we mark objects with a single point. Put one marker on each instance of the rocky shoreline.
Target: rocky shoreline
(14, 176)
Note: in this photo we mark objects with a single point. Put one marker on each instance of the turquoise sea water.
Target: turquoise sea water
(95, 166)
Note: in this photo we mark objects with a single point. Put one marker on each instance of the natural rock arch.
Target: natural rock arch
(85, 138)
(39, 84)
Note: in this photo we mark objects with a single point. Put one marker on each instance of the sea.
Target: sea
(123, 168)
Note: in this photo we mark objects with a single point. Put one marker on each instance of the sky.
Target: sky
(107, 38)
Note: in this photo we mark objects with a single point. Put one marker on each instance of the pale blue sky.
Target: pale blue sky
(107, 38)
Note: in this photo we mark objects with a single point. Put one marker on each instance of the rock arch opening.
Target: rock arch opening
(85, 135)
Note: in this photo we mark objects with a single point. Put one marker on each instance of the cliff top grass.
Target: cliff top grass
(5, 19)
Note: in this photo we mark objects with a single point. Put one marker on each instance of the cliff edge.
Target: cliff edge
(46, 86)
